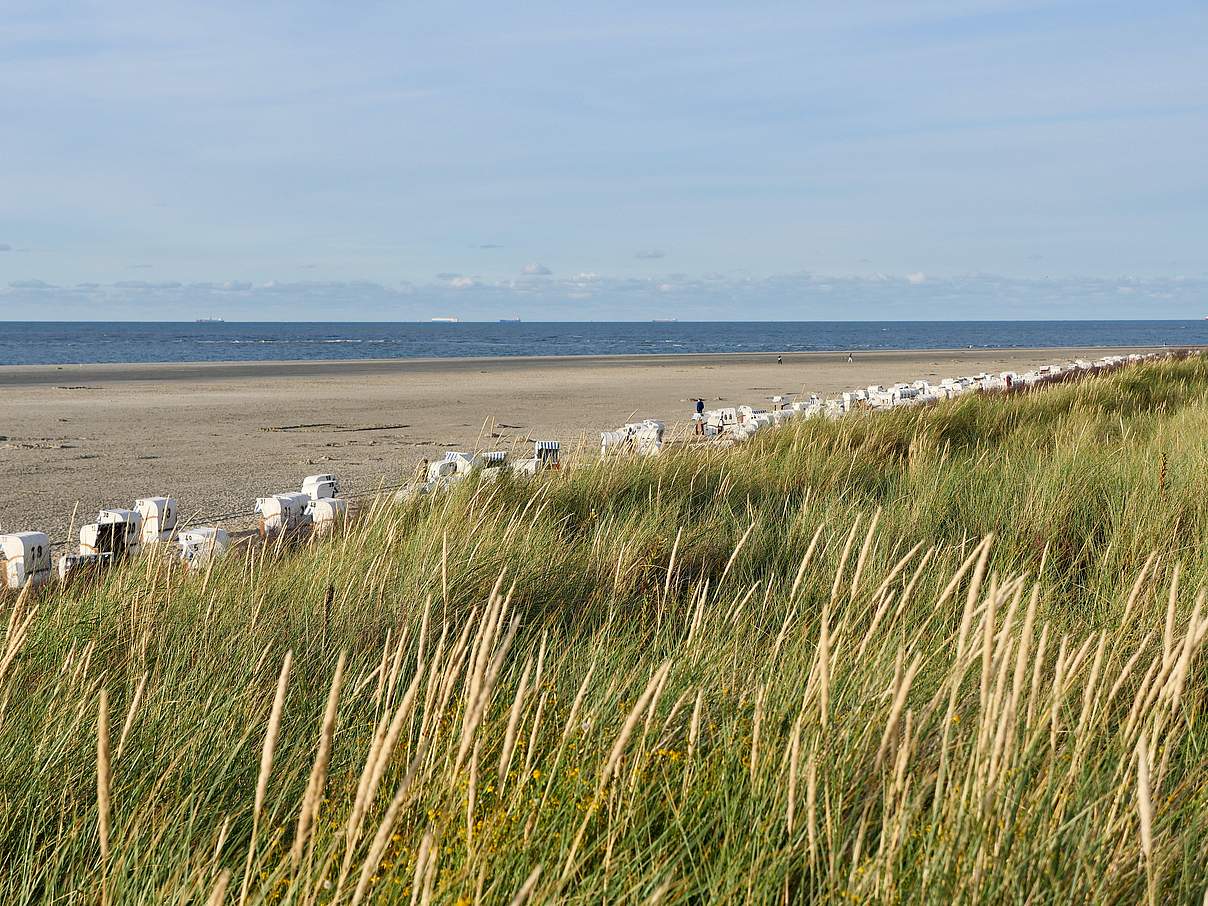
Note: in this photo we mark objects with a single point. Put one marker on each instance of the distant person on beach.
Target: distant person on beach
(779, 360)
(850, 358)
(700, 416)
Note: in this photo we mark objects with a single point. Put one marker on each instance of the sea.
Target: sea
(61, 343)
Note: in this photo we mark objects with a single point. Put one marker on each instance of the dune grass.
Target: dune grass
(943, 654)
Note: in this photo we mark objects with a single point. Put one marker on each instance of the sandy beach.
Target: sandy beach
(216, 436)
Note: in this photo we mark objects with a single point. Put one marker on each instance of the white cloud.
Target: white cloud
(918, 277)
(457, 281)
(600, 297)
(145, 284)
(534, 269)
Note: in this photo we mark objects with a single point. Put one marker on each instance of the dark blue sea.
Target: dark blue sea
(51, 343)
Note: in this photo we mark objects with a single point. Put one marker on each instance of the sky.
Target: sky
(716, 160)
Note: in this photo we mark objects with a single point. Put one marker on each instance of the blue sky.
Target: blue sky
(704, 159)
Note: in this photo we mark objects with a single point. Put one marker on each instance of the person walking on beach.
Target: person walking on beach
(850, 358)
(700, 416)
(779, 360)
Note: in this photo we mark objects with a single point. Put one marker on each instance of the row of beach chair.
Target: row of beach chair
(739, 423)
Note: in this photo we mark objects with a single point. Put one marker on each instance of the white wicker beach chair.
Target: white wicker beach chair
(159, 518)
(24, 560)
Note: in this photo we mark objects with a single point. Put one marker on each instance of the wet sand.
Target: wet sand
(217, 435)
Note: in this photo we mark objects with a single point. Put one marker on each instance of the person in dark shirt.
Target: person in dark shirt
(700, 416)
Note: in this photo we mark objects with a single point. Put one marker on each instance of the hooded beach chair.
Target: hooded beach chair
(24, 560)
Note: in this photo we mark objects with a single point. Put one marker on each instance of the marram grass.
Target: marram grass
(944, 655)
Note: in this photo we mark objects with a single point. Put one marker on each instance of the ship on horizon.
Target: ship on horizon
(210, 321)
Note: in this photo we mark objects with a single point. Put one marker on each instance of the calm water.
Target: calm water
(43, 343)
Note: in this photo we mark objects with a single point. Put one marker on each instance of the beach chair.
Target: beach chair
(281, 514)
(72, 566)
(201, 544)
(648, 438)
(115, 532)
(806, 408)
(320, 487)
(159, 518)
(545, 456)
(547, 453)
(454, 467)
(442, 469)
(529, 466)
(613, 442)
(327, 514)
(878, 399)
(748, 413)
(492, 465)
(24, 560)
(463, 463)
(717, 420)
